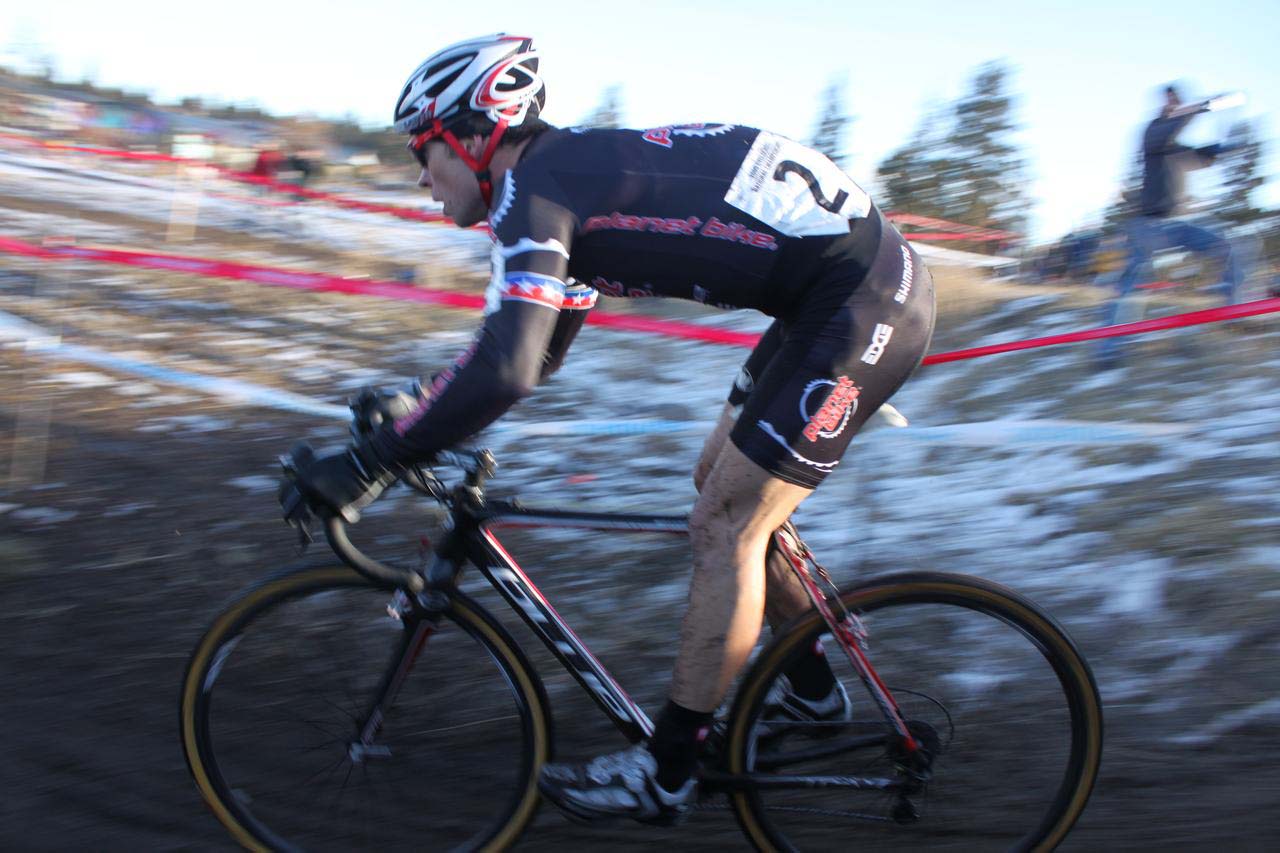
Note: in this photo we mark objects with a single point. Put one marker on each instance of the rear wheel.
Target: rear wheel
(280, 687)
(1003, 704)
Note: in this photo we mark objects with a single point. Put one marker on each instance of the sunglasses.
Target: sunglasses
(417, 146)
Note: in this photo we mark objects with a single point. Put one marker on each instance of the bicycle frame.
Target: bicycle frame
(473, 538)
(478, 543)
(470, 538)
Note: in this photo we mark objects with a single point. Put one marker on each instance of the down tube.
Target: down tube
(514, 585)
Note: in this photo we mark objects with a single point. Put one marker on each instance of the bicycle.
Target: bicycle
(314, 710)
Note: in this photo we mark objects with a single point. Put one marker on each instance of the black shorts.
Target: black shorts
(819, 373)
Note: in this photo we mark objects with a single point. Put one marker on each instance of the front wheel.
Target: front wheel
(1002, 704)
(283, 691)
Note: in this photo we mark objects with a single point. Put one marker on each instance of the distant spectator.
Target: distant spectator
(1156, 225)
(268, 163)
(1080, 251)
(302, 167)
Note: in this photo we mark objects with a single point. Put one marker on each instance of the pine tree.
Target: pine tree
(609, 112)
(828, 136)
(909, 178)
(962, 163)
(1125, 204)
(985, 178)
(1241, 179)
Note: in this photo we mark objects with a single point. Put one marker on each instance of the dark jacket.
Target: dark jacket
(1165, 163)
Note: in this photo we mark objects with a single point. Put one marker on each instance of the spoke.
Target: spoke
(329, 744)
(334, 735)
(324, 771)
(347, 778)
(461, 726)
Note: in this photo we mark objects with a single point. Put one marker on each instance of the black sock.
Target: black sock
(811, 676)
(675, 742)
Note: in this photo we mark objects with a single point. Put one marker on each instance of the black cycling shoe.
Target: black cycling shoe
(783, 709)
(786, 713)
(621, 784)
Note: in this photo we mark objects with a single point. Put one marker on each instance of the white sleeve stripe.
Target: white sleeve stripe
(524, 244)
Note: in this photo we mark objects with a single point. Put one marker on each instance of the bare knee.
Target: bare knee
(714, 445)
(701, 470)
(720, 537)
(709, 529)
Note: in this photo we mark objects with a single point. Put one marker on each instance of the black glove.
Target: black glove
(375, 408)
(1216, 150)
(345, 480)
(342, 480)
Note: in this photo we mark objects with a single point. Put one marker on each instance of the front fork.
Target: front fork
(420, 617)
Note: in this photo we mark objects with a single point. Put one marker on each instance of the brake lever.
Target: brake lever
(297, 514)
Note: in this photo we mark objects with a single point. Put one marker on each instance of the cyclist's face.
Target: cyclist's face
(452, 183)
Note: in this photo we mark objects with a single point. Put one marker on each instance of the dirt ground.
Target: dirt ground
(133, 510)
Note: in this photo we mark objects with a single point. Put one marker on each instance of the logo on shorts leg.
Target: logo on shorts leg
(879, 340)
(833, 416)
(908, 273)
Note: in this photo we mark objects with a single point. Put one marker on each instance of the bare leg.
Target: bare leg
(714, 444)
(739, 508)
(785, 597)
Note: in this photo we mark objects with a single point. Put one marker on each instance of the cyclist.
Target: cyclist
(725, 215)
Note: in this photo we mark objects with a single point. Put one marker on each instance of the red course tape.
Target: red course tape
(323, 282)
(1173, 321)
(243, 177)
(944, 230)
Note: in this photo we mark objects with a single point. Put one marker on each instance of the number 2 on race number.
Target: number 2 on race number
(796, 190)
(791, 166)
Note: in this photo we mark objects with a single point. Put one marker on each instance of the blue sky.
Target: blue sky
(1085, 73)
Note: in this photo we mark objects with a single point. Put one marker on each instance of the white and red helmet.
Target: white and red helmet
(495, 76)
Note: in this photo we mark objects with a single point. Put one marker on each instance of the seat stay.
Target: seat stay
(848, 633)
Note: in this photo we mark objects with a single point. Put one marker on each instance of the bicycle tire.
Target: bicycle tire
(1009, 633)
(277, 637)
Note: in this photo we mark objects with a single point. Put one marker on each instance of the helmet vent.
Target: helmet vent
(443, 84)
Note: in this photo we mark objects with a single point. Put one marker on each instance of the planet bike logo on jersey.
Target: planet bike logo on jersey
(833, 415)
(690, 226)
(652, 224)
(662, 135)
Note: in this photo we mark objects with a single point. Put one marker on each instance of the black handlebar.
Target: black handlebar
(335, 530)
(478, 466)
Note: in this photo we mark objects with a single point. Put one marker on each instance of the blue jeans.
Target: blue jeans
(1148, 235)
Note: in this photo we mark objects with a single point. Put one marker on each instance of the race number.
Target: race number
(795, 189)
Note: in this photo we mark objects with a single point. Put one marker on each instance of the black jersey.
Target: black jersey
(724, 215)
